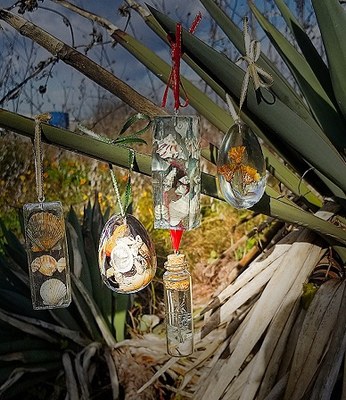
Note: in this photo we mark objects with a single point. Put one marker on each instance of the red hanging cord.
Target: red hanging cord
(174, 76)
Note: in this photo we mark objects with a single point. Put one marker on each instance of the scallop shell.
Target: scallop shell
(169, 148)
(61, 264)
(121, 257)
(53, 292)
(44, 230)
(46, 264)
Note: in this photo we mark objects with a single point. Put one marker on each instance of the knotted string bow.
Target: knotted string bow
(259, 77)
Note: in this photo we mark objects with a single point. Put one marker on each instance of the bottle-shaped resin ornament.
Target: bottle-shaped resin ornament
(178, 303)
(46, 248)
(241, 167)
(176, 173)
(127, 258)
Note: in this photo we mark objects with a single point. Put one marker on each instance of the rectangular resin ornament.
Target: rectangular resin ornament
(46, 248)
(176, 172)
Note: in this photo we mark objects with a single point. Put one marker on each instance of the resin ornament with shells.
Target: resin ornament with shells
(241, 167)
(47, 253)
(127, 258)
(176, 172)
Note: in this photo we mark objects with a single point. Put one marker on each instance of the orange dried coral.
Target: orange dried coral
(248, 173)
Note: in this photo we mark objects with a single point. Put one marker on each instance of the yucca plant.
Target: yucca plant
(62, 351)
(257, 340)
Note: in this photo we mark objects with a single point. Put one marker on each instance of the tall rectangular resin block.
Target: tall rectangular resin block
(46, 248)
(176, 172)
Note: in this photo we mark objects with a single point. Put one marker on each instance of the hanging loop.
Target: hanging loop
(39, 119)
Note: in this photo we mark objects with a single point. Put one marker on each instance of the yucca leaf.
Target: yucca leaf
(24, 343)
(27, 328)
(320, 102)
(122, 303)
(85, 314)
(31, 356)
(288, 125)
(281, 88)
(77, 251)
(101, 322)
(331, 18)
(272, 203)
(307, 48)
(90, 247)
(16, 302)
(97, 226)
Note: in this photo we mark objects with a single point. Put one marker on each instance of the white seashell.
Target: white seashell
(161, 212)
(184, 180)
(53, 292)
(45, 264)
(193, 148)
(182, 127)
(169, 148)
(181, 190)
(178, 210)
(61, 264)
(169, 179)
(158, 164)
(121, 257)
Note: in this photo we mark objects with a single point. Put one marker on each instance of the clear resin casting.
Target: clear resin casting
(47, 253)
(176, 172)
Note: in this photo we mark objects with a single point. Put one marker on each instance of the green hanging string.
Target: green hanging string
(123, 141)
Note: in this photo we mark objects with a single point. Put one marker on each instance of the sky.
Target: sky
(66, 87)
(67, 90)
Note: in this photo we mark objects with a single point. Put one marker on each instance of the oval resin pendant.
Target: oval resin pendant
(127, 258)
(241, 167)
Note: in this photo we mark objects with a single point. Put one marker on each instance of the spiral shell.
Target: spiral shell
(53, 292)
(46, 264)
(44, 230)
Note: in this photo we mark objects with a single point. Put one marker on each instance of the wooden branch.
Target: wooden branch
(82, 63)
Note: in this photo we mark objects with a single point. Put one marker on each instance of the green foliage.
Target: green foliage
(34, 344)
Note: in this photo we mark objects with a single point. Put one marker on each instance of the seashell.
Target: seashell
(61, 264)
(169, 179)
(161, 212)
(121, 257)
(44, 230)
(53, 292)
(181, 190)
(184, 180)
(169, 148)
(45, 264)
(119, 232)
(178, 210)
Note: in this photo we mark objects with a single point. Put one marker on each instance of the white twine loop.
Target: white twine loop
(39, 119)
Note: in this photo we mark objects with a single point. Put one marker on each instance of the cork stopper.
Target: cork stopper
(175, 260)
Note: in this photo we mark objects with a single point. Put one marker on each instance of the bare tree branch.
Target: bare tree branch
(81, 63)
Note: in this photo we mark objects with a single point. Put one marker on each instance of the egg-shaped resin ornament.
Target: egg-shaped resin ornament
(127, 258)
(241, 167)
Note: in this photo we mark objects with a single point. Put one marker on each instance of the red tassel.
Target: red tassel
(176, 235)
